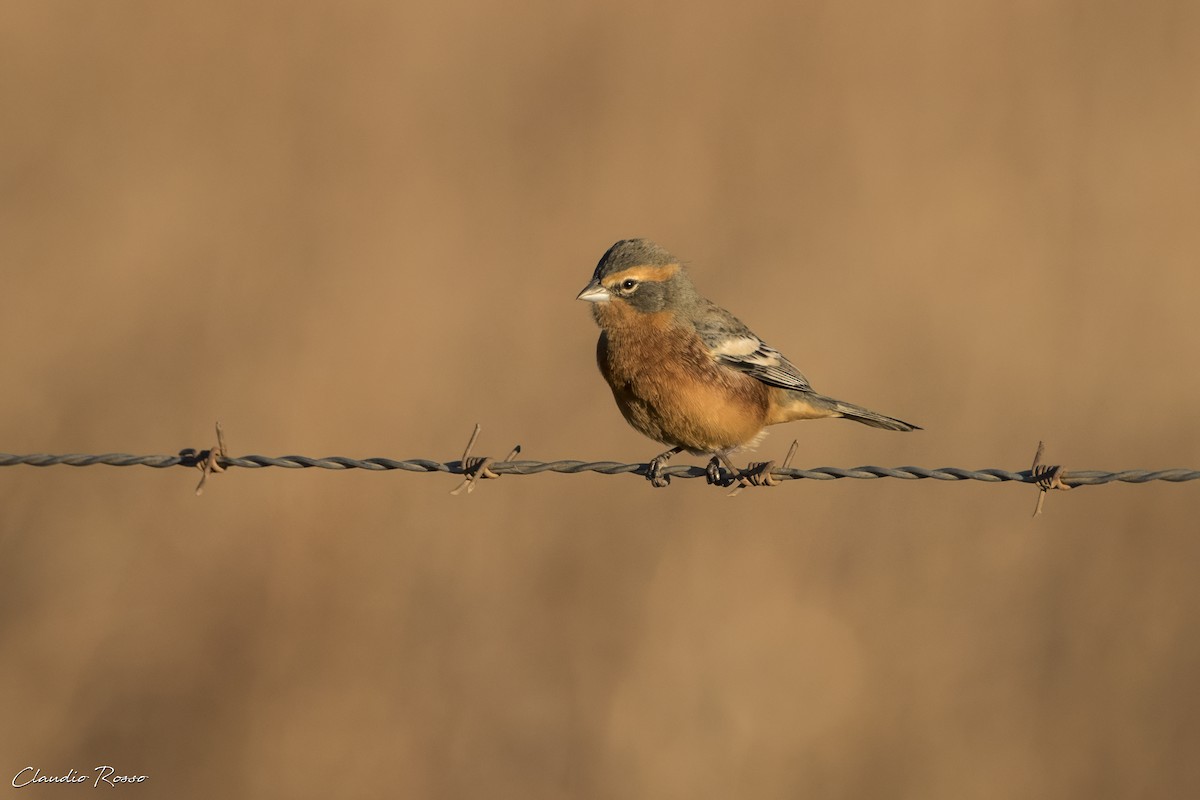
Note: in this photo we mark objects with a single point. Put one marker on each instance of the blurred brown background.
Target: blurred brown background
(357, 229)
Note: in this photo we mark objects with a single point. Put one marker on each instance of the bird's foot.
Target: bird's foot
(736, 475)
(713, 472)
(654, 473)
(655, 467)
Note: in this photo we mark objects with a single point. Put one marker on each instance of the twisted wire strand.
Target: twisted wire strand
(571, 467)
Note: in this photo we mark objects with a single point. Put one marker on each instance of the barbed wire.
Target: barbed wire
(569, 466)
(765, 473)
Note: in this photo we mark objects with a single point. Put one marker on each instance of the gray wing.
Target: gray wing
(733, 344)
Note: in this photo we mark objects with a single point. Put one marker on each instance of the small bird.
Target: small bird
(689, 374)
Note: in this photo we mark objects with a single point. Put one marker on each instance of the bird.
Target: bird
(689, 374)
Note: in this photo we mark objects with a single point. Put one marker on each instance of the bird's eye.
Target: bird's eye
(628, 284)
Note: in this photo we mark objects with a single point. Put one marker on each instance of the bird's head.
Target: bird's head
(637, 275)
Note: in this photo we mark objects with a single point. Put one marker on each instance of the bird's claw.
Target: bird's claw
(654, 473)
(713, 472)
(654, 470)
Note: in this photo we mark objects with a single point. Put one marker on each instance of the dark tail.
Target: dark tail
(868, 417)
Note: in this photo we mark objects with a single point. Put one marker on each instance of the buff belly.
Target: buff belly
(672, 391)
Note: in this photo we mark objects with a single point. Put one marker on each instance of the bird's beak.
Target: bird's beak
(595, 293)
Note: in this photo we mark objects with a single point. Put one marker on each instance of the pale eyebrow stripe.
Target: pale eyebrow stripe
(644, 272)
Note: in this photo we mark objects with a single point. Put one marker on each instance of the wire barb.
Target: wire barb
(218, 459)
(1046, 477)
(762, 473)
(207, 461)
(479, 467)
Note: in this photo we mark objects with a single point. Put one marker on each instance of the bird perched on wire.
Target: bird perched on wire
(689, 374)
